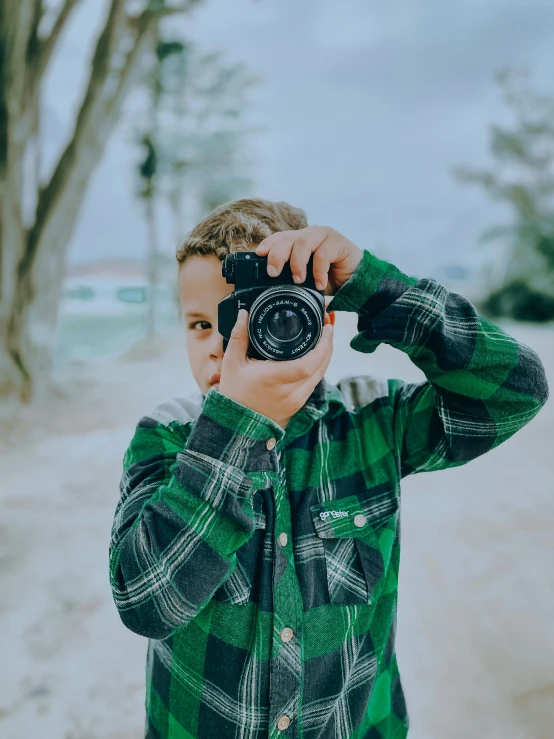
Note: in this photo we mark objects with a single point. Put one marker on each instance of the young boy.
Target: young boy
(256, 542)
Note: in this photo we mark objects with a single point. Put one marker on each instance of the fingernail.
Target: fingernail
(319, 285)
(271, 271)
(297, 278)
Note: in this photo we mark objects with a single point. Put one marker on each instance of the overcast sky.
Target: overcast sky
(365, 108)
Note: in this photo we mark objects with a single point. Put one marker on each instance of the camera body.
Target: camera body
(285, 320)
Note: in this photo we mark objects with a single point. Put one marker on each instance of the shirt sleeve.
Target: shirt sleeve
(185, 507)
(482, 384)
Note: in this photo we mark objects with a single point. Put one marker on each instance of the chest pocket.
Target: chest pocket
(236, 589)
(357, 533)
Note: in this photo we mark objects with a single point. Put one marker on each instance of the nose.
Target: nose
(215, 346)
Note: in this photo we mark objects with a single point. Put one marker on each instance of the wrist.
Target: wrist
(364, 283)
(353, 262)
(236, 413)
(344, 270)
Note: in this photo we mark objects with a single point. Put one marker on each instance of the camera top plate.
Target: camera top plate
(246, 269)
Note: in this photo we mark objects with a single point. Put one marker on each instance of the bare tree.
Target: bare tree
(148, 167)
(32, 255)
(192, 135)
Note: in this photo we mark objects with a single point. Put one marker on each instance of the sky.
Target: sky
(365, 108)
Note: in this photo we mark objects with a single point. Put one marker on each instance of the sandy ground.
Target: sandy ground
(476, 605)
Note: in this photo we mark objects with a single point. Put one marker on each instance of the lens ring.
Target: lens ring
(283, 320)
(306, 305)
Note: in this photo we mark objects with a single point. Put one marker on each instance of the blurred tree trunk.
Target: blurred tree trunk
(152, 266)
(152, 189)
(32, 255)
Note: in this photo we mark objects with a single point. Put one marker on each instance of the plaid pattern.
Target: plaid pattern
(252, 635)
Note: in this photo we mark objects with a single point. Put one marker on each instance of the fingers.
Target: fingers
(321, 264)
(328, 316)
(314, 362)
(237, 346)
(306, 242)
(322, 362)
(296, 247)
(317, 361)
(279, 246)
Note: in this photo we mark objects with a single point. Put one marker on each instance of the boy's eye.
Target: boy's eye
(205, 325)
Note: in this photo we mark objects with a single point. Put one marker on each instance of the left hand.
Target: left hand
(335, 256)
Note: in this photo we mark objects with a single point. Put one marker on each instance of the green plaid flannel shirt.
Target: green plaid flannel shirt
(265, 576)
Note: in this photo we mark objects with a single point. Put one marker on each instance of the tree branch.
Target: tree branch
(100, 70)
(150, 14)
(142, 24)
(48, 44)
(17, 25)
(128, 67)
(97, 113)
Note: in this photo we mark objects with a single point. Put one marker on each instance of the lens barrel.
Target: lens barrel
(286, 322)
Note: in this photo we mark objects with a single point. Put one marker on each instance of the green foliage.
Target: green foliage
(148, 166)
(193, 130)
(522, 177)
(518, 300)
(165, 49)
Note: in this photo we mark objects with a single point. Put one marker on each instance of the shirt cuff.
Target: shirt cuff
(236, 435)
(372, 278)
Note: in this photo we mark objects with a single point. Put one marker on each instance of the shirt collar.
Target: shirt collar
(325, 400)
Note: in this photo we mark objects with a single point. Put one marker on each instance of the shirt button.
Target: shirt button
(270, 443)
(359, 520)
(286, 634)
(283, 538)
(283, 722)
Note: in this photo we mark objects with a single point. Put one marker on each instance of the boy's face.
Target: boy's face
(201, 288)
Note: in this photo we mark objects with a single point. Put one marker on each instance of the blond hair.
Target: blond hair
(237, 225)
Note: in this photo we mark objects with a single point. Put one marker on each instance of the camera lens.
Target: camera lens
(285, 322)
(284, 325)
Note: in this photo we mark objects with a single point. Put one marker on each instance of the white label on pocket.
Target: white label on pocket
(336, 514)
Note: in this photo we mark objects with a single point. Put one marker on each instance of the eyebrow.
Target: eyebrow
(194, 314)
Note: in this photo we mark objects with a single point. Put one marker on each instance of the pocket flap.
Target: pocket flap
(353, 515)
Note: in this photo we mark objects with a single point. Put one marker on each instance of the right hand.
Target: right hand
(272, 387)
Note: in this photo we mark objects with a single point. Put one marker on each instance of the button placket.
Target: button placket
(284, 683)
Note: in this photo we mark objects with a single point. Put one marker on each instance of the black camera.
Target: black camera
(285, 320)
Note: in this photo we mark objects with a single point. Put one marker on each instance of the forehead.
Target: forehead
(201, 284)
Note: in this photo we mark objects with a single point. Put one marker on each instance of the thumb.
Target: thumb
(238, 341)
